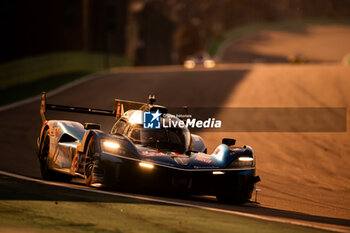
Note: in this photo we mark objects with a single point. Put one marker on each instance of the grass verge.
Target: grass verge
(29, 76)
(33, 207)
(26, 90)
(38, 67)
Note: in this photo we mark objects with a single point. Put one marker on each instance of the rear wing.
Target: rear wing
(120, 106)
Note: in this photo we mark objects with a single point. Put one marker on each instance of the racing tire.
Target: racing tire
(46, 172)
(89, 165)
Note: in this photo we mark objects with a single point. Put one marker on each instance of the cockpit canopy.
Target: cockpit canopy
(166, 139)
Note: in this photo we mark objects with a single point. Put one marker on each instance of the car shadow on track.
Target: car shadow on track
(258, 209)
(17, 189)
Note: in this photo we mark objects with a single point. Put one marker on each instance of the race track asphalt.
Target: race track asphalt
(173, 87)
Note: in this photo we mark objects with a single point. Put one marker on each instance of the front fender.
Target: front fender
(224, 155)
(126, 149)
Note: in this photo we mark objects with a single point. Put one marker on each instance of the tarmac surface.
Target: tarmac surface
(305, 176)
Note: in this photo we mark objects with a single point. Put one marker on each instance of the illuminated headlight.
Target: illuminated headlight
(242, 162)
(245, 159)
(218, 173)
(146, 165)
(209, 63)
(189, 64)
(110, 146)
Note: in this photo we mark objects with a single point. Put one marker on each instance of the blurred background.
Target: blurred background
(67, 39)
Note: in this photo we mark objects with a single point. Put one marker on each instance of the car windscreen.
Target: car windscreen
(165, 139)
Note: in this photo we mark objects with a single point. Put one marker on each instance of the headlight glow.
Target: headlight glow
(242, 162)
(245, 159)
(209, 63)
(189, 64)
(111, 145)
(146, 165)
(218, 173)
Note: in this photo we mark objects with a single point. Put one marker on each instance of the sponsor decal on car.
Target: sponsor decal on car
(202, 158)
(54, 131)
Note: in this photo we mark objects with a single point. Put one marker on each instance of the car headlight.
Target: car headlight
(110, 146)
(245, 159)
(242, 162)
(146, 165)
(189, 64)
(209, 63)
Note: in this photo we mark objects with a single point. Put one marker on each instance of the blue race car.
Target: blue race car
(132, 157)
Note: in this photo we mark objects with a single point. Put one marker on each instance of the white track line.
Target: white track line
(179, 203)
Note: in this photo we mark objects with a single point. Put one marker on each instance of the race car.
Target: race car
(199, 59)
(134, 157)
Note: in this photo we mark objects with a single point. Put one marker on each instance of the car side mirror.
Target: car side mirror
(92, 126)
(229, 141)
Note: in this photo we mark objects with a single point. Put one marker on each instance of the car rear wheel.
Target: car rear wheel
(46, 172)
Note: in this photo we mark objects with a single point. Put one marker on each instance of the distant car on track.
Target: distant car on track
(199, 59)
(131, 156)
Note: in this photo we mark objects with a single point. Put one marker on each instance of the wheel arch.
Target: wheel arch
(44, 128)
(98, 134)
